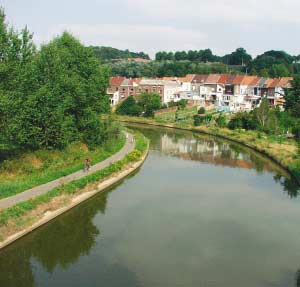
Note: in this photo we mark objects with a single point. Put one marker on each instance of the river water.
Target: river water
(200, 212)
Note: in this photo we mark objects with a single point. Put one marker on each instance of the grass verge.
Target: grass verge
(28, 170)
(29, 211)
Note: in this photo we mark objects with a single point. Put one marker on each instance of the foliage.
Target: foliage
(109, 53)
(238, 57)
(201, 111)
(53, 97)
(145, 104)
(292, 98)
(180, 104)
(221, 121)
(149, 103)
(129, 107)
(273, 63)
(242, 121)
(202, 119)
(168, 68)
(199, 56)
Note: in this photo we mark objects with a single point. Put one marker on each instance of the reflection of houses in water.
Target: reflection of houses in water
(211, 151)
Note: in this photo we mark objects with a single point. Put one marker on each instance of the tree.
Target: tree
(292, 98)
(149, 103)
(262, 113)
(221, 121)
(129, 107)
(68, 93)
(201, 111)
(279, 70)
(239, 57)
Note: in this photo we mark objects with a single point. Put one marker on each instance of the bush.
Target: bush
(201, 111)
(242, 121)
(221, 121)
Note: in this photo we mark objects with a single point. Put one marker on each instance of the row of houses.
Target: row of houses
(223, 91)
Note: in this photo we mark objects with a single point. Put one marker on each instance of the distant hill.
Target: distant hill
(109, 53)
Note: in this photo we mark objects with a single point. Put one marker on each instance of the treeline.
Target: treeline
(52, 96)
(166, 69)
(109, 53)
(269, 64)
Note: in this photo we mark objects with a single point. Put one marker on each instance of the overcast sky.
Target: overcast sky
(153, 25)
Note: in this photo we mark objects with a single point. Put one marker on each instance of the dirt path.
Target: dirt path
(41, 189)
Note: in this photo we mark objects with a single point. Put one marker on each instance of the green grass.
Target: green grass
(19, 210)
(32, 169)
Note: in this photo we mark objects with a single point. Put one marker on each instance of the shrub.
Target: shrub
(201, 111)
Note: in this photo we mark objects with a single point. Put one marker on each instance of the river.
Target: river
(200, 212)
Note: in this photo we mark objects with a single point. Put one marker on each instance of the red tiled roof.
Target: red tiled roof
(273, 83)
(188, 78)
(116, 81)
(238, 80)
(248, 80)
(230, 79)
(255, 81)
(213, 79)
(223, 79)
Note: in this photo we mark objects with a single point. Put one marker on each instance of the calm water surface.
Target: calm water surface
(200, 212)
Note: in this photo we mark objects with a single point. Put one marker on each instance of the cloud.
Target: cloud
(153, 25)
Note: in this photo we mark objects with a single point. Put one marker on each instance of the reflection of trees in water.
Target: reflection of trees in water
(15, 268)
(217, 151)
(297, 279)
(61, 242)
(289, 185)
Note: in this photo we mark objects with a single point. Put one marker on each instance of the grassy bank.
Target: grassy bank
(26, 213)
(28, 170)
(284, 152)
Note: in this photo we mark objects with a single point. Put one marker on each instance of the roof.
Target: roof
(200, 78)
(213, 79)
(188, 78)
(248, 80)
(223, 79)
(116, 81)
(155, 82)
(230, 79)
(238, 80)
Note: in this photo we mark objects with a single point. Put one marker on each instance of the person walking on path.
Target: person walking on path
(87, 164)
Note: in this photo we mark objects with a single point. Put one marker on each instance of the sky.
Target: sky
(164, 25)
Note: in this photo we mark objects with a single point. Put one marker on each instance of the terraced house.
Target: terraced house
(228, 93)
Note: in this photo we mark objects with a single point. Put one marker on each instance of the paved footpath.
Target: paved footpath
(41, 189)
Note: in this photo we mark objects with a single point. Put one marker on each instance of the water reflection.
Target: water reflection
(215, 151)
(54, 245)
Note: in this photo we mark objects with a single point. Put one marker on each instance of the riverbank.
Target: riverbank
(21, 219)
(285, 154)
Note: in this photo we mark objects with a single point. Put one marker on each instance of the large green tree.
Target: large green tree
(64, 92)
